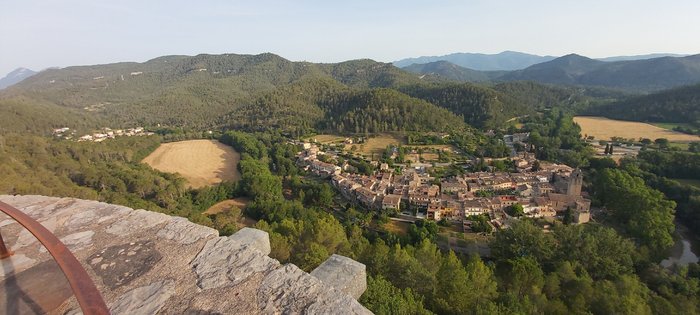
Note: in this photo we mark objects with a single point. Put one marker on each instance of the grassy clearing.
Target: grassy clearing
(201, 162)
(326, 139)
(444, 147)
(225, 205)
(397, 227)
(604, 129)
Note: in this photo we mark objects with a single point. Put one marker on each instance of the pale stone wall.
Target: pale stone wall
(150, 263)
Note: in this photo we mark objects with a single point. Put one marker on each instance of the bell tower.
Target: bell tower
(575, 183)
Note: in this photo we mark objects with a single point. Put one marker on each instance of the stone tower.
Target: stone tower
(575, 183)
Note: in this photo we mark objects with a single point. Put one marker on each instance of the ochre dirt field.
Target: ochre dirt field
(201, 162)
(603, 129)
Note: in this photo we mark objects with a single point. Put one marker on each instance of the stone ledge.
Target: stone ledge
(257, 239)
(344, 274)
(150, 263)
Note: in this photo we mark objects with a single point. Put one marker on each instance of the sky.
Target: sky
(41, 34)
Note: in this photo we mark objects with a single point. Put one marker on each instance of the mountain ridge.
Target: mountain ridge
(506, 60)
(15, 77)
(643, 75)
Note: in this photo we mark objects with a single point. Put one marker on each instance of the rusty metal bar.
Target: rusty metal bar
(85, 291)
(4, 253)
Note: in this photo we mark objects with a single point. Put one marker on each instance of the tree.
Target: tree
(453, 291)
(662, 142)
(641, 211)
(524, 277)
(515, 210)
(521, 240)
(568, 216)
(382, 297)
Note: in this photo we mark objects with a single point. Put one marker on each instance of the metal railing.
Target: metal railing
(84, 289)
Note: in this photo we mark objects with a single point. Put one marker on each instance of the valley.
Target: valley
(408, 174)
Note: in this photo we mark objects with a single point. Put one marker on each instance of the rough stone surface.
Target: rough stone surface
(76, 241)
(242, 262)
(257, 239)
(183, 231)
(144, 300)
(15, 264)
(343, 274)
(288, 289)
(137, 220)
(150, 263)
(118, 265)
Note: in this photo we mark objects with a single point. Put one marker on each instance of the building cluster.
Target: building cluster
(548, 192)
(104, 134)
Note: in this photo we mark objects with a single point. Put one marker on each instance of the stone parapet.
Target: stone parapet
(150, 263)
(343, 274)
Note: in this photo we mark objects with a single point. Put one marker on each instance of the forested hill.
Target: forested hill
(645, 75)
(637, 75)
(262, 92)
(180, 91)
(681, 105)
(450, 71)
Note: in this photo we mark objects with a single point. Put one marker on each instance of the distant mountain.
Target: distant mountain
(450, 71)
(504, 61)
(563, 70)
(636, 75)
(15, 76)
(679, 105)
(640, 57)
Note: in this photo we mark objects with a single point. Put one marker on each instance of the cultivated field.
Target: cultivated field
(377, 145)
(604, 129)
(201, 162)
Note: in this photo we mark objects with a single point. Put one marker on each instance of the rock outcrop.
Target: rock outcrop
(150, 263)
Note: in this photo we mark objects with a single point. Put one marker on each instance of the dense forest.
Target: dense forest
(266, 92)
(662, 170)
(678, 105)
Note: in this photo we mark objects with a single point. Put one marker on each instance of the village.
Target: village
(535, 189)
(101, 135)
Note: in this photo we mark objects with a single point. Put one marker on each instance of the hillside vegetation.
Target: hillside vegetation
(635, 76)
(681, 105)
(263, 92)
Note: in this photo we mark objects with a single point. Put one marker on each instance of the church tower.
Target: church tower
(575, 183)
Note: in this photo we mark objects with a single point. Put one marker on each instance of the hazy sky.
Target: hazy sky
(40, 34)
